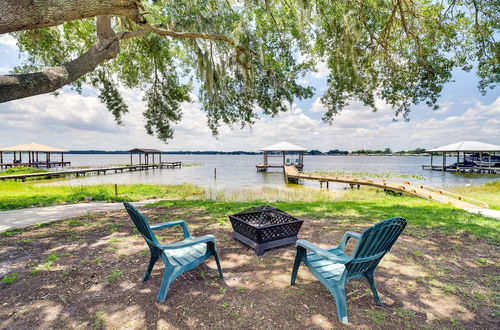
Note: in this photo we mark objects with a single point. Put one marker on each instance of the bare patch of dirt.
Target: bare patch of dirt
(87, 272)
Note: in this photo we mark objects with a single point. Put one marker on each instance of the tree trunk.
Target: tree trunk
(18, 15)
(13, 87)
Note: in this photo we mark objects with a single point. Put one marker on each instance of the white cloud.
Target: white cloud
(81, 122)
(318, 106)
(444, 107)
(321, 70)
(8, 41)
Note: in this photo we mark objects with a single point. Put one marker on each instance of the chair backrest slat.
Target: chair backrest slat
(374, 243)
(142, 225)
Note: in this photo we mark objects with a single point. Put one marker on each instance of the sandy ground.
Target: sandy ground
(86, 273)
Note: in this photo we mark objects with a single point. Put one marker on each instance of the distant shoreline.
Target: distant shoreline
(102, 152)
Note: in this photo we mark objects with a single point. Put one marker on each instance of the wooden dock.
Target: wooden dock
(263, 167)
(36, 164)
(90, 171)
(474, 169)
(405, 187)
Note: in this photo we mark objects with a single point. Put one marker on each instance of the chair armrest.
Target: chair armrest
(188, 242)
(322, 252)
(181, 223)
(346, 237)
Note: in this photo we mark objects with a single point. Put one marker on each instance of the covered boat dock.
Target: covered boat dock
(146, 153)
(33, 157)
(287, 153)
(471, 157)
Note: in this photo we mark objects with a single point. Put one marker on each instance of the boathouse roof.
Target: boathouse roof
(145, 151)
(467, 146)
(284, 146)
(32, 147)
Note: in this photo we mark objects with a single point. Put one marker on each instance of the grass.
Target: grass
(488, 192)
(16, 195)
(266, 193)
(366, 206)
(21, 170)
(97, 319)
(8, 279)
(191, 164)
(383, 175)
(444, 258)
(114, 276)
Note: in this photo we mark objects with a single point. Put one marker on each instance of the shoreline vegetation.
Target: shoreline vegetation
(381, 175)
(17, 195)
(315, 152)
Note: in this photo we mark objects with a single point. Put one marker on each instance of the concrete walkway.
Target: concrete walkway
(486, 212)
(27, 217)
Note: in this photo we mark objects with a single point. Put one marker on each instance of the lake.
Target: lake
(238, 171)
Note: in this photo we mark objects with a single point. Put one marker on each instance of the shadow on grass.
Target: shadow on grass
(87, 272)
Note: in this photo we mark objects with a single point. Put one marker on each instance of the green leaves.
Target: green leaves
(248, 56)
(110, 96)
(163, 106)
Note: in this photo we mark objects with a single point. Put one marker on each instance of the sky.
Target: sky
(81, 122)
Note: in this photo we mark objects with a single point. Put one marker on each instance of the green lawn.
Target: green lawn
(21, 170)
(489, 193)
(371, 207)
(16, 195)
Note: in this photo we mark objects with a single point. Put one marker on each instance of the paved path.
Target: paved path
(486, 212)
(27, 217)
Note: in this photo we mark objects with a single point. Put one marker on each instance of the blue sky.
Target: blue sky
(75, 121)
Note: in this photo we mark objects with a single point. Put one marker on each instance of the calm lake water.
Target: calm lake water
(238, 171)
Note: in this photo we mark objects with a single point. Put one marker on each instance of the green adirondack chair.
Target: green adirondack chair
(179, 257)
(334, 268)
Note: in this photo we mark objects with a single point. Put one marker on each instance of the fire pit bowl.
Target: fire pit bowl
(265, 227)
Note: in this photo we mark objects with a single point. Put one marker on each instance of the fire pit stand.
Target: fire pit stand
(265, 227)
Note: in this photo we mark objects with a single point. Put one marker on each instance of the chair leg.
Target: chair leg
(165, 285)
(217, 261)
(338, 292)
(298, 258)
(371, 281)
(152, 261)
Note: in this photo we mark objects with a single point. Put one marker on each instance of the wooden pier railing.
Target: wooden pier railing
(406, 187)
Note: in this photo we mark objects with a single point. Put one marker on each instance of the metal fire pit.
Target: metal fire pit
(265, 227)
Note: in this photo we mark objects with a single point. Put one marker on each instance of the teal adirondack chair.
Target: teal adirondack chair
(334, 268)
(179, 257)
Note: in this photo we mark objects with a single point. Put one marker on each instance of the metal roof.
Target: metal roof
(467, 146)
(283, 146)
(32, 147)
(145, 151)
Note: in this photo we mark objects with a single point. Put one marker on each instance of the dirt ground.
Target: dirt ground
(87, 272)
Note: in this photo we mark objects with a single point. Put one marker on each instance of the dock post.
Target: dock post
(215, 173)
(327, 182)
